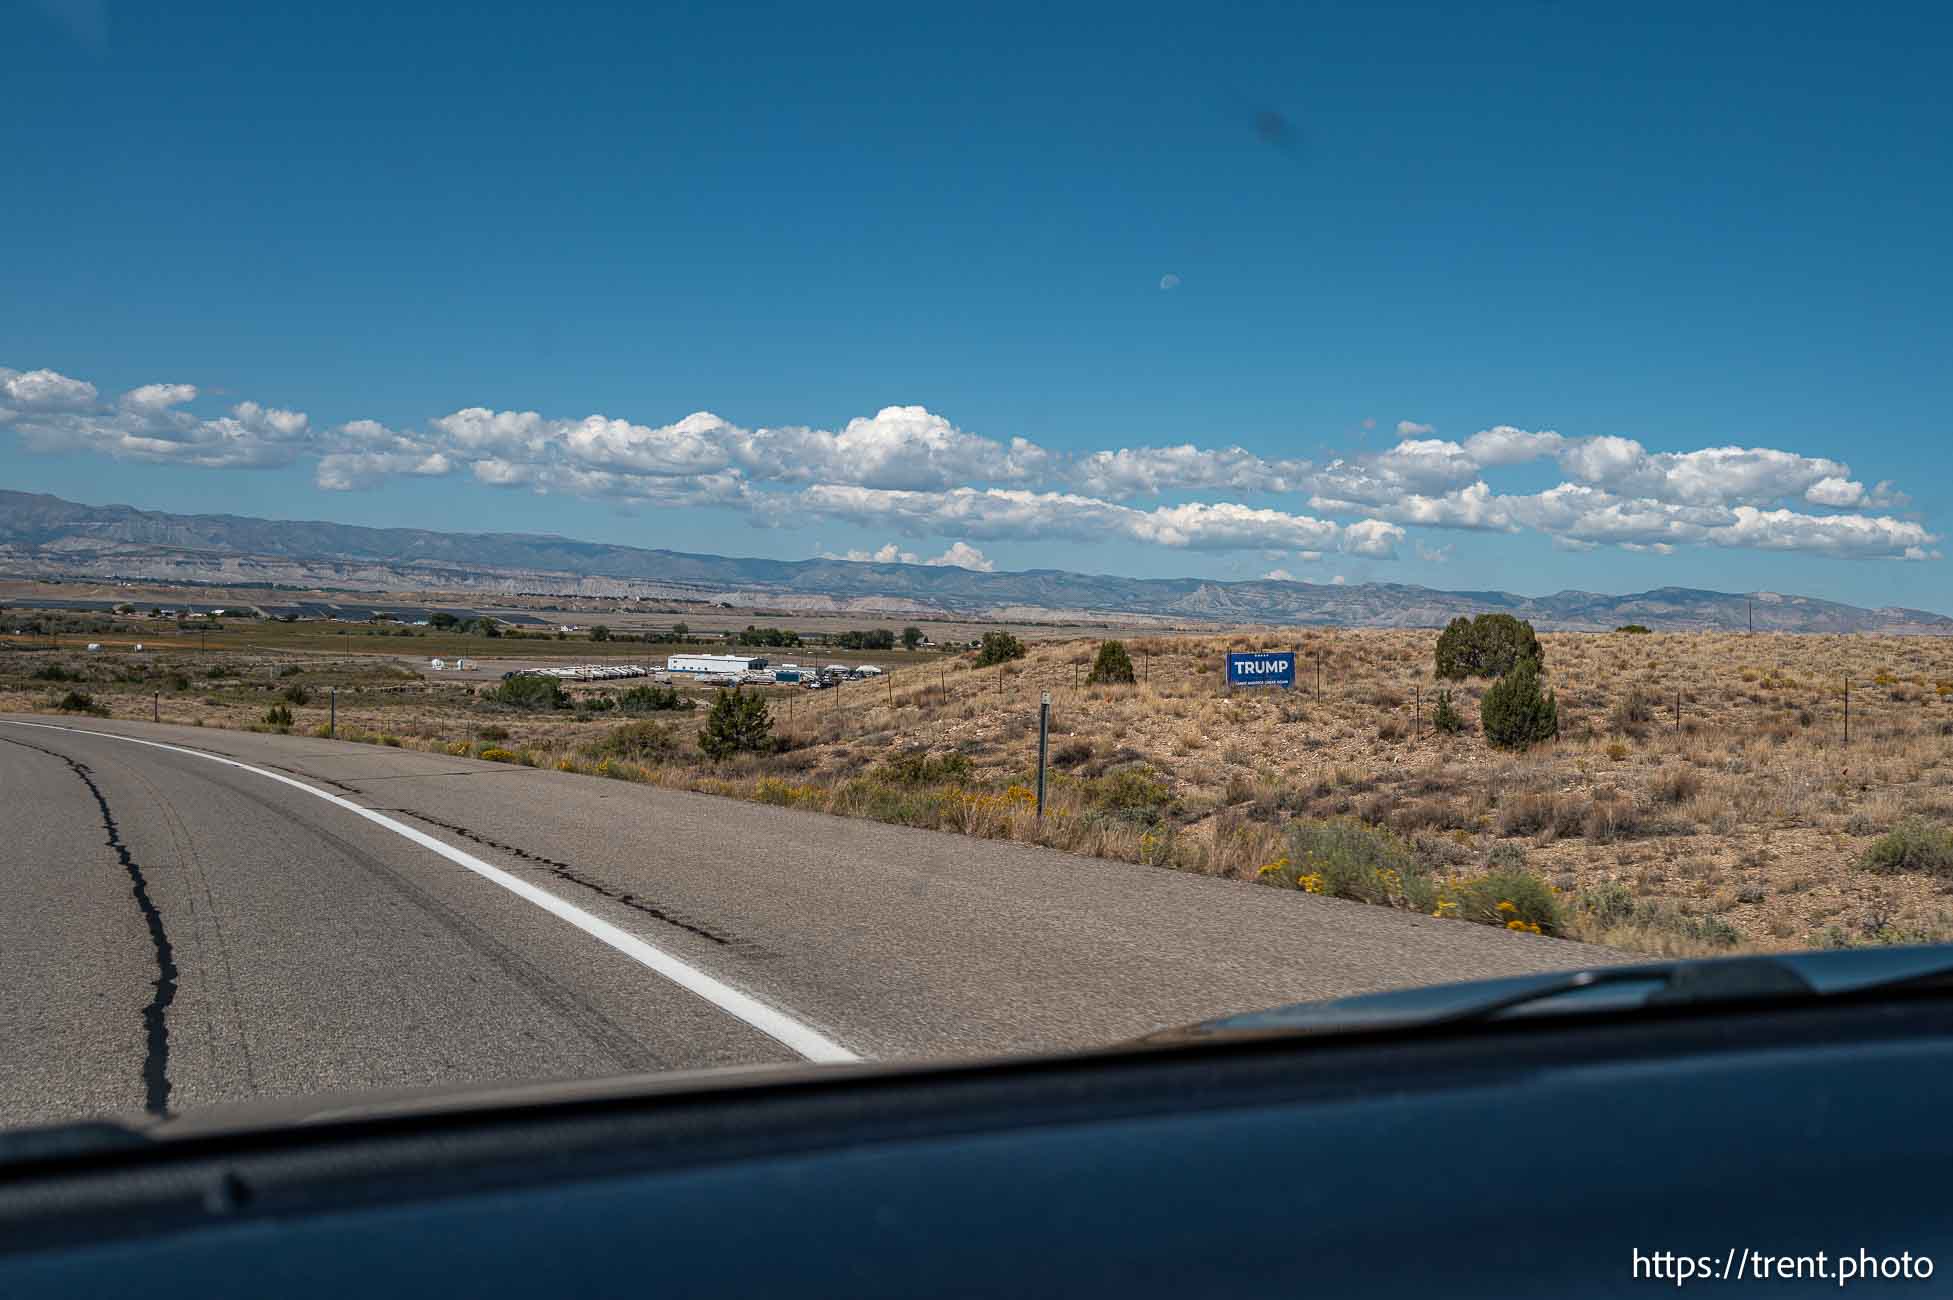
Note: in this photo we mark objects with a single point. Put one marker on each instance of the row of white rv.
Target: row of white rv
(730, 670)
(704, 670)
(592, 672)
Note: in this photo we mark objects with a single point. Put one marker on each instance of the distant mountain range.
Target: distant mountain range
(45, 536)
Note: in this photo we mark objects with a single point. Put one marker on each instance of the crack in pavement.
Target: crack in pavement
(561, 870)
(565, 871)
(156, 1054)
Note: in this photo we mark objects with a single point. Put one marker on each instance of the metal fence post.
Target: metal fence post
(332, 715)
(156, 707)
(1044, 746)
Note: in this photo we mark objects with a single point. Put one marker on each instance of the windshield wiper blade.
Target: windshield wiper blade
(1677, 984)
(59, 1142)
(1782, 977)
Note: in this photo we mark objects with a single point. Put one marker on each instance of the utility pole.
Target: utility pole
(332, 715)
(1318, 675)
(1847, 711)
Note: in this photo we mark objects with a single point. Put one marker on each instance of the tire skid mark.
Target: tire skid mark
(155, 1016)
(341, 786)
(564, 871)
(561, 870)
(624, 1044)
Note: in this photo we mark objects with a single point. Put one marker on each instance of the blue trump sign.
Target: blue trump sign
(1262, 668)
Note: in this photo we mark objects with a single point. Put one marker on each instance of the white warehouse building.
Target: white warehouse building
(712, 663)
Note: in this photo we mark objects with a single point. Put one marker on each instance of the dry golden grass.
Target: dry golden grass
(1744, 815)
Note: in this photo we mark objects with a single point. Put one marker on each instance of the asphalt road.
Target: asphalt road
(177, 932)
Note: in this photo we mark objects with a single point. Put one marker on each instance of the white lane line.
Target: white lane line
(774, 1023)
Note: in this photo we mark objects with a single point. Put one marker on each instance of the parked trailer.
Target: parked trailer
(591, 672)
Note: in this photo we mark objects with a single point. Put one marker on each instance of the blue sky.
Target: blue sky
(1269, 235)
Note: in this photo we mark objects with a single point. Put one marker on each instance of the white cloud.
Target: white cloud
(1169, 281)
(1726, 476)
(1413, 466)
(1016, 513)
(1851, 535)
(478, 430)
(349, 471)
(145, 424)
(1339, 581)
(889, 554)
(502, 473)
(1846, 494)
(1433, 554)
(153, 398)
(1423, 463)
(1504, 445)
(910, 468)
(902, 447)
(1279, 575)
(1372, 537)
(961, 555)
(43, 390)
(1474, 507)
(694, 445)
(1148, 471)
(1835, 491)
